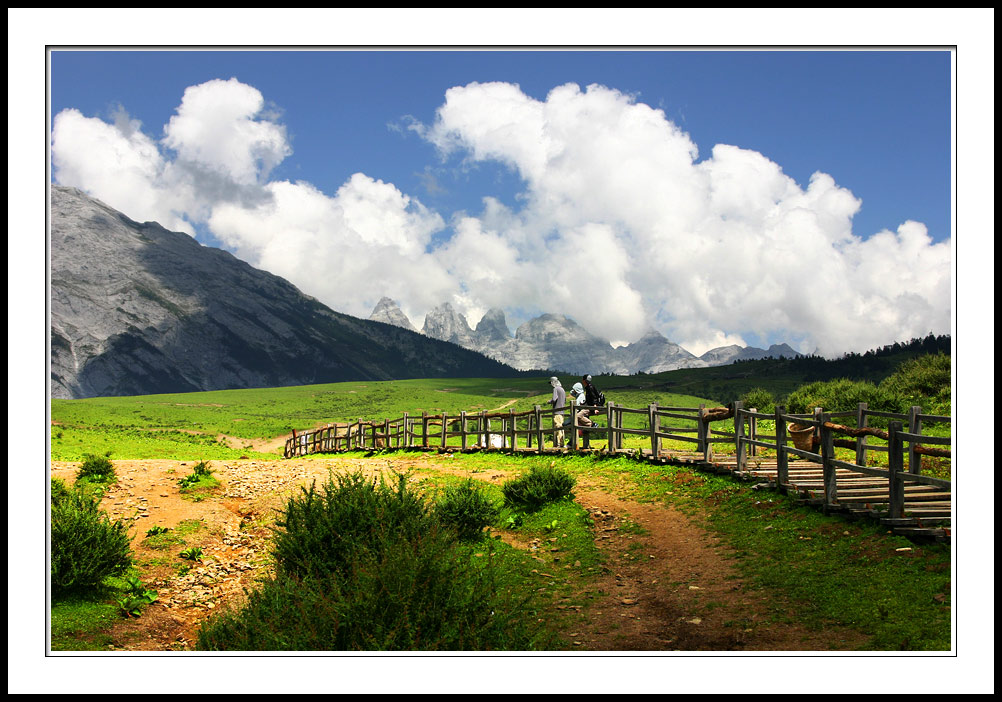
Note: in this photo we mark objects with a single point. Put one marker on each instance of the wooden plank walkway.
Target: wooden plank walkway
(928, 510)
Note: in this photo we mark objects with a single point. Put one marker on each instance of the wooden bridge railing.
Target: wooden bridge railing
(532, 429)
(903, 448)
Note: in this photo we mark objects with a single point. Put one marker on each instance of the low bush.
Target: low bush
(97, 469)
(362, 565)
(86, 544)
(841, 395)
(417, 594)
(321, 531)
(540, 486)
(923, 381)
(57, 490)
(760, 399)
(467, 509)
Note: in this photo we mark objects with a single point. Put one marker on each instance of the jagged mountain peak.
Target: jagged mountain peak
(493, 327)
(445, 323)
(389, 312)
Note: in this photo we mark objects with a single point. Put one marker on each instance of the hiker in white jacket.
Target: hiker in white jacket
(583, 420)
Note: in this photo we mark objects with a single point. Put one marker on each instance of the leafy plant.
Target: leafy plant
(86, 544)
(924, 381)
(540, 486)
(157, 530)
(131, 605)
(199, 482)
(193, 553)
(841, 395)
(363, 565)
(759, 398)
(515, 521)
(57, 490)
(322, 530)
(97, 469)
(467, 508)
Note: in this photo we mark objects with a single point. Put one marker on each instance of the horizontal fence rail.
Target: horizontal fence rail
(800, 444)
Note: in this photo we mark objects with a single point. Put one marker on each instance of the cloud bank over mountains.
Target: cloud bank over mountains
(620, 225)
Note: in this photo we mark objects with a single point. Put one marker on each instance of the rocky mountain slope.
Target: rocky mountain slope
(136, 309)
(559, 343)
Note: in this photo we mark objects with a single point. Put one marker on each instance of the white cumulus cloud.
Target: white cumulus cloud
(620, 225)
(720, 249)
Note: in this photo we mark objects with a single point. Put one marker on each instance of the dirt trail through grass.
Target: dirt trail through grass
(667, 585)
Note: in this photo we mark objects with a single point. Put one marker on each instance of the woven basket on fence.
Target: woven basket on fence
(801, 435)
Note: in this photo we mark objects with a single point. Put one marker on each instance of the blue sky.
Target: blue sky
(438, 157)
(877, 121)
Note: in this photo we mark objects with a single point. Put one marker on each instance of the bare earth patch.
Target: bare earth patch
(668, 586)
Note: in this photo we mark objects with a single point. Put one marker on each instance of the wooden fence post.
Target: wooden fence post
(782, 458)
(895, 468)
(512, 436)
(462, 429)
(424, 430)
(653, 422)
(539, 429)
(574, 427)
(610, 421)
(753, 431)
(703, 432)
(861, 422)
(827, 460)
(914, 427)
(740, 449)
(406, 430)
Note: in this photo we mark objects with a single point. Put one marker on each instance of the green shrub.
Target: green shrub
(923, 381)
(58, 490)
(86, 544)
(759, 398)
(842, 395)
(540, 486)
(366, 566)
(467, 509)
(321, 531)
(97, 469)
(199, 484)
(416, 594)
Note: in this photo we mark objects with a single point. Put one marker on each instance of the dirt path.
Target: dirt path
(668, 585)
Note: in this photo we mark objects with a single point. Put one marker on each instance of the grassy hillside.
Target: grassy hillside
(190, 425)
(781, 376)
(226, 424)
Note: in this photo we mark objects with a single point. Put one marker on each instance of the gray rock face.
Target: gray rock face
(723, 355)
(492, 329)
(136, 309)
(653, 353)
(389, 312)
(558, 343)
(443, 322)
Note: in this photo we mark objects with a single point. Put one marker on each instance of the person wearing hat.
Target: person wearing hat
(558, 401)
(592, 396)
(582, 415)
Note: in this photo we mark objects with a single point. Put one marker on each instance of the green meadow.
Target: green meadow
(189, 426)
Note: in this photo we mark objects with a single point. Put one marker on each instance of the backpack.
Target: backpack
(597, 396)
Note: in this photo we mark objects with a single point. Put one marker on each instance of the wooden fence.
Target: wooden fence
(888, 493)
